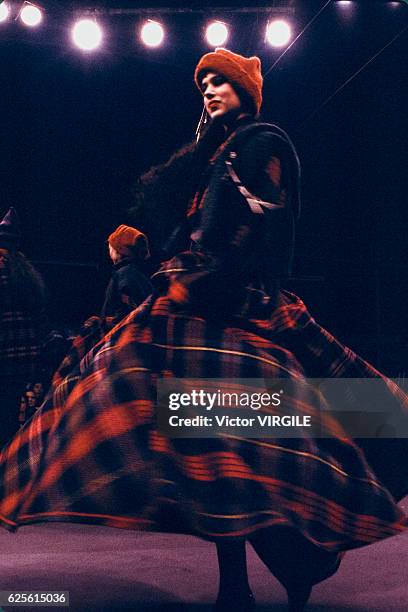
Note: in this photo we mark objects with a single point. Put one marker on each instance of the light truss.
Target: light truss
(283, 9)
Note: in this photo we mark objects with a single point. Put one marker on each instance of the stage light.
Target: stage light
(31, 15)
(347, 9)
(4, 12)
(87, 34)
(278, 33)
(216, 33)
(152, 33)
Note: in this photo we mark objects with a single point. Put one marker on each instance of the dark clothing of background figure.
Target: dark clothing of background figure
(128, 287)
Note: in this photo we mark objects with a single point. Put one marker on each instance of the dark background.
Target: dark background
(77, 129)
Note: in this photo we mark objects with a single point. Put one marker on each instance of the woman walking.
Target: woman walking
(95, 450)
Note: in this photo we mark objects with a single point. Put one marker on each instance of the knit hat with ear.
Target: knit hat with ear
(10, 233)
(244, 72)
(129, 241)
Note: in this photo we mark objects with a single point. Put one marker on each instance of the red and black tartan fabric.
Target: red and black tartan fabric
(93, 453)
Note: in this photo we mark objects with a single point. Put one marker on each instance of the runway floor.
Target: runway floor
(108, 569)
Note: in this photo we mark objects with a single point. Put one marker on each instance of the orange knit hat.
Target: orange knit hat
(245, 72)
(129, 241)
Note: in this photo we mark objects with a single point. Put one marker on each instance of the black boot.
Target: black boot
(298, 598)
(294, 561)
(225, 603)
(234, 591)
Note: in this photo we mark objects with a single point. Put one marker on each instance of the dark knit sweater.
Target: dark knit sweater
(128, 288)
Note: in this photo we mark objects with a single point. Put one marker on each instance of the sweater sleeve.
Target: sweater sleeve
(268, 168)
(263, 166)
(247, 217)
(133, 286)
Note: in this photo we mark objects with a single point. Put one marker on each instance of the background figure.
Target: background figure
(22, 324)
(38, 390)
(22, 413)
(30, 401)
(129, 285)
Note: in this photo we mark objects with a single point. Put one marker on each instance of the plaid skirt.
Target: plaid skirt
(93, 452)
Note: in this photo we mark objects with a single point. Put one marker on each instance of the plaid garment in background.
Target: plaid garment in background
(92, 453)
(22, 335)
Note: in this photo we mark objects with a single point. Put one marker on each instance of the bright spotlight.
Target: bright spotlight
(216, 33)
(278, 33)
(152, 33)
(31, 15)
(87, 35)
(4, 11)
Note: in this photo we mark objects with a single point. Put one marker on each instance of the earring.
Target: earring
(201, 124)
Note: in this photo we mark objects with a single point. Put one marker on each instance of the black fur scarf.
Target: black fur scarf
(162, 194)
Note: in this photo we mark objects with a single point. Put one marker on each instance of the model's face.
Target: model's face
(113, 254)
(220, 98)
(4, 257)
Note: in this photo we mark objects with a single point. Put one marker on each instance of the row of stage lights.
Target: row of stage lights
(87, 34)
